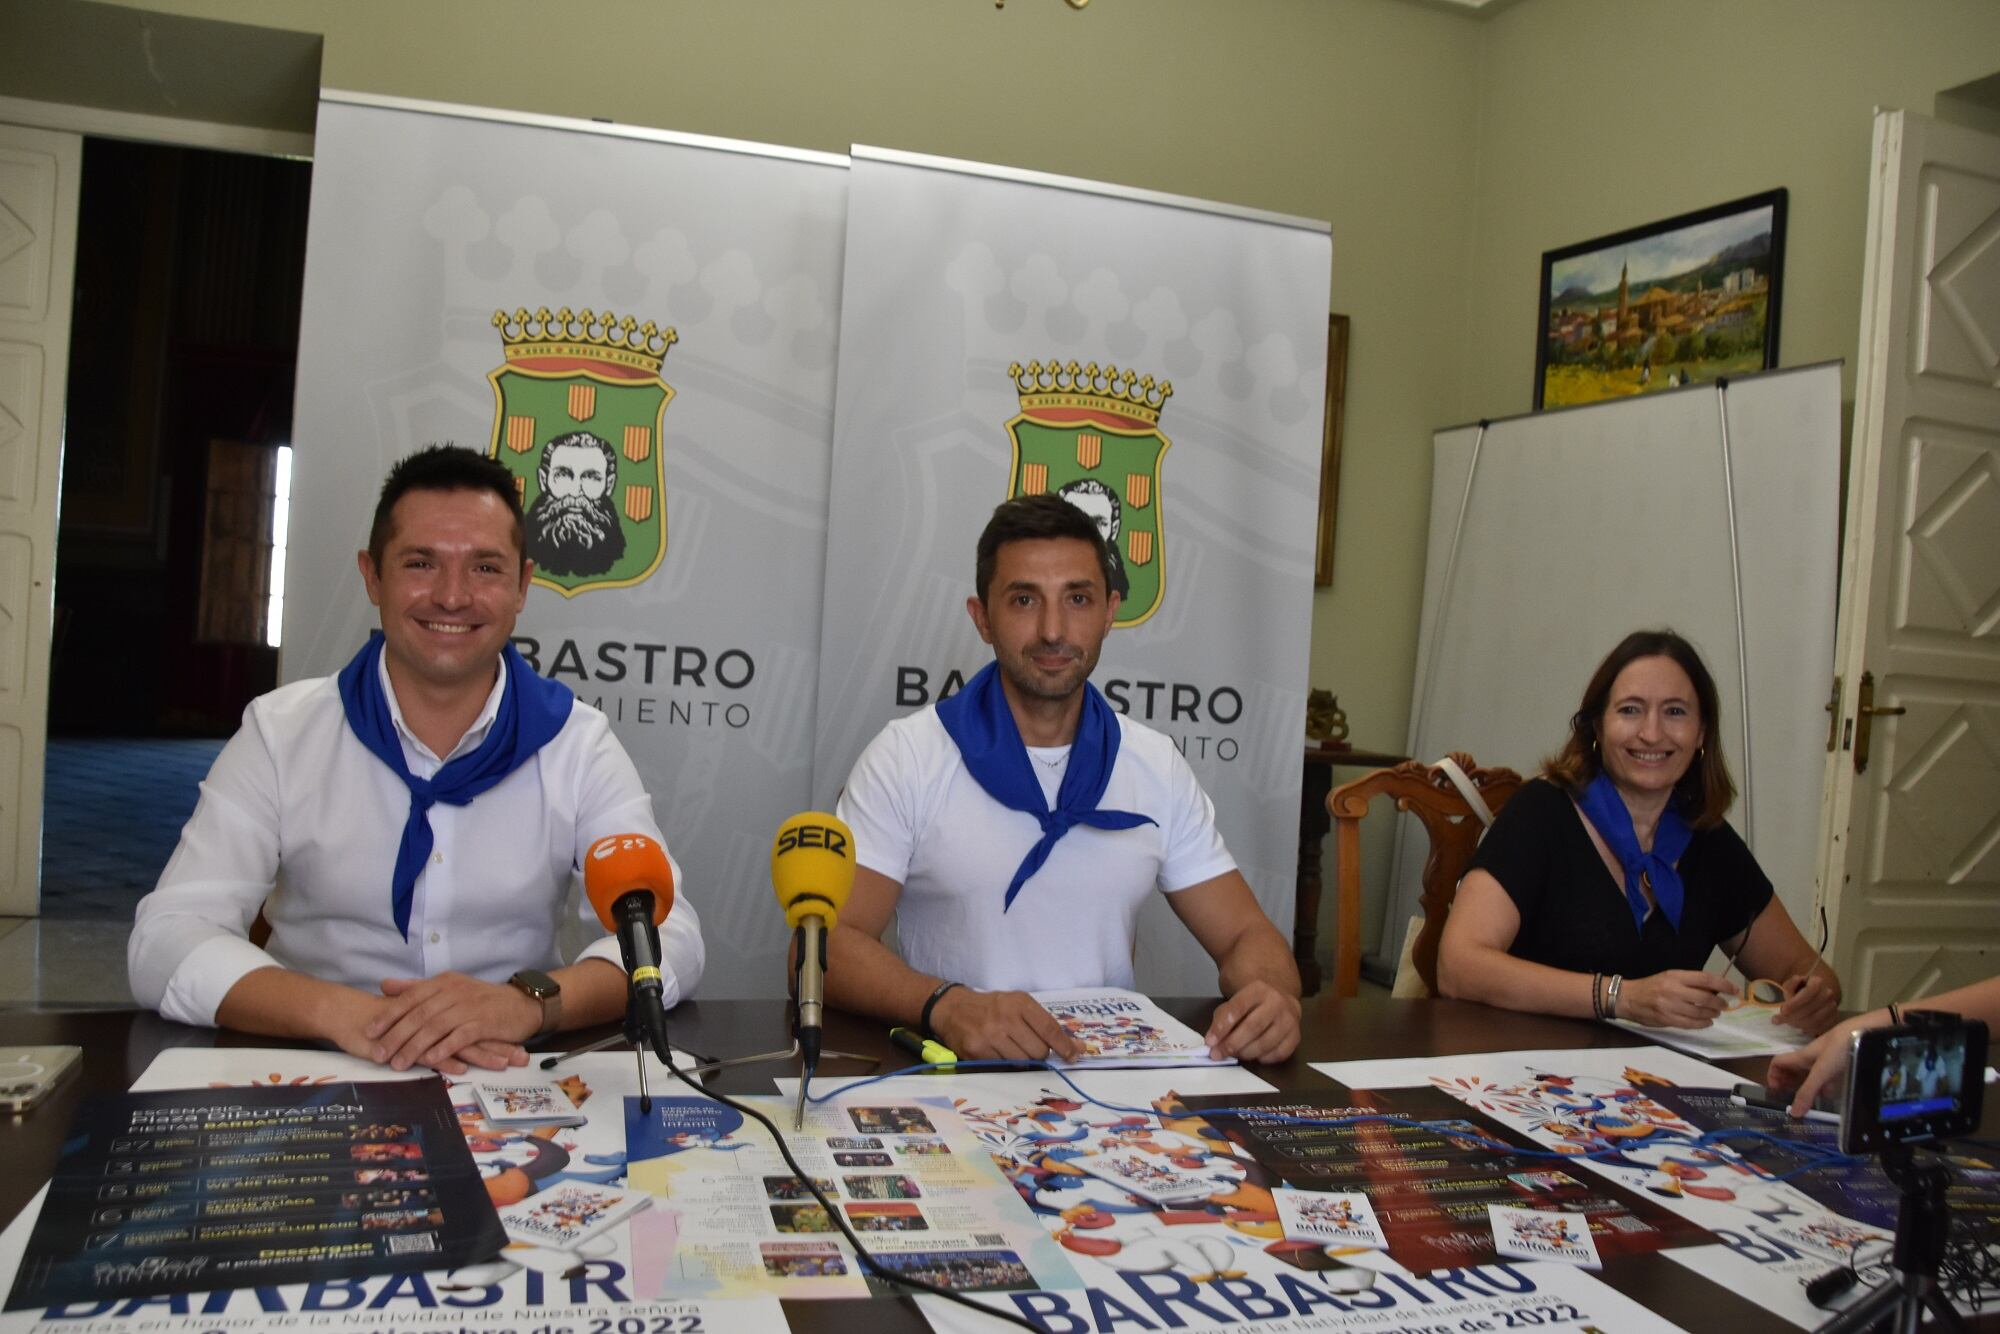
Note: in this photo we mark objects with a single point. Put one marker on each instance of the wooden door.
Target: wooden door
(1910, 859)
(39, 170)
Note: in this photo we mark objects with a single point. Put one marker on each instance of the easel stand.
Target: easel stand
(1923, 1225)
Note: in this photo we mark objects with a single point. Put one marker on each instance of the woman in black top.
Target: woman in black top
(1603, 887)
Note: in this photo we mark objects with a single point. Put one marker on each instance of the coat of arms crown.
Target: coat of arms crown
(1056, 384)
(588, 334)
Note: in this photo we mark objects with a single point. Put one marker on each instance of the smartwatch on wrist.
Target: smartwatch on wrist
(546, 992)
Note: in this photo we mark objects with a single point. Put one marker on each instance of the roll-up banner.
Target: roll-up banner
(1158, 361)
(551, 290)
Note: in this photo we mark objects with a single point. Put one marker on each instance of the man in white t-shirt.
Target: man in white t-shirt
(1015, 829)
(410, 828)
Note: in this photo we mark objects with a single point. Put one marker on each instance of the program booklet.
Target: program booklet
(1115, 1027)
(541, 1103)
(570, 1213)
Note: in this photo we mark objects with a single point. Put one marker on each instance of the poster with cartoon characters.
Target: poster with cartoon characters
(1434, 1171)
(1210, 1251)
(1583, 1101)
(1860, 1190)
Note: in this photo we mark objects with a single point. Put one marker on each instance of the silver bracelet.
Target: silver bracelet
(1611, 995)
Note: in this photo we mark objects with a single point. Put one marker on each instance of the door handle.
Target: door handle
(1865, 712)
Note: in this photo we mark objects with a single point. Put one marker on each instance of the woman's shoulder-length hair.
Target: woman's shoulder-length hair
(1705, 792)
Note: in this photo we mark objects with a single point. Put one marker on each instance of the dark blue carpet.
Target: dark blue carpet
(113, 812)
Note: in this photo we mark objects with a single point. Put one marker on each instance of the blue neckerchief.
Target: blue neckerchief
(1606, 812)
(532, 710)
(983, 727)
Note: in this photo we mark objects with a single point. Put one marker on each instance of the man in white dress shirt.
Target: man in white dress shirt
(1016, 829)
(410, 827)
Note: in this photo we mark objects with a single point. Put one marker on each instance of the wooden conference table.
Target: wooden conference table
(118, 1045)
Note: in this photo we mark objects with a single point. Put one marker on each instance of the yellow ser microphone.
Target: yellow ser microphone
(812, 870)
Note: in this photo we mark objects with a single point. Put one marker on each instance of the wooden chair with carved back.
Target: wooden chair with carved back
(1427, 791)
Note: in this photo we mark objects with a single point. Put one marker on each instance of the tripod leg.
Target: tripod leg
(1882, 1300)
(709, 1067)
(1947, 1314)
(551, 1062)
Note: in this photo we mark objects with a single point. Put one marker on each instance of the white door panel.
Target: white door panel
(1911, 860)
(39, 170)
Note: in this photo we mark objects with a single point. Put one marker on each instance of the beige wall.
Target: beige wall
(1597, 117)
(1447, 150)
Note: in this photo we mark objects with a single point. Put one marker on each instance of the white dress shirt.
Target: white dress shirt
(298, 812)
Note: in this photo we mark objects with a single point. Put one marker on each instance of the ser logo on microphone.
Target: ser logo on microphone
(811, 836)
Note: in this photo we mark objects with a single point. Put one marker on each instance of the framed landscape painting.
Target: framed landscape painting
(1692, 298)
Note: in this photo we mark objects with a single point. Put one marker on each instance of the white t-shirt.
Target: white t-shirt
(920, 818)
(298, 811)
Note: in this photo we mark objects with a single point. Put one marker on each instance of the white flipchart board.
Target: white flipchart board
(1711, 509)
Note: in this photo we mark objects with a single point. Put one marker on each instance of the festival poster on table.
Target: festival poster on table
(1859, 1190)
(1211, 1252)
(906, 1177)
(182, 1191)
(1587, 1100)
(1433, 1174)
(526, 1287)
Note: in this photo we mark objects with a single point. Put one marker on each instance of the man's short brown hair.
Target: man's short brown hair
(1026, 518)
(443, 468)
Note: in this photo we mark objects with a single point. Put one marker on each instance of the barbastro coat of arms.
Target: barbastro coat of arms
(578, 410)
(1091, 434)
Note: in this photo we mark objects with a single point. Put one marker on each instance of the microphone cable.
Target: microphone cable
(839, 1219)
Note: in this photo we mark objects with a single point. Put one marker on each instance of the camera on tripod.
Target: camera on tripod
(1922, 1079)
(1919, 1080)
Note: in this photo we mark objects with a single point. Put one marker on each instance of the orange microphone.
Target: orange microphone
(631, 884)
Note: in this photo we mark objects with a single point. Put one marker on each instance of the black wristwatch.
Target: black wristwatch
(546, 992)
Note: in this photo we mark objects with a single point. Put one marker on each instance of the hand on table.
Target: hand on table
(999, 1025)
(452, 1021)
(1677, 998)
(1807, 1069)
(1258, 1023)
(346, 1016)
(1810, 1004)
(1821, 1062)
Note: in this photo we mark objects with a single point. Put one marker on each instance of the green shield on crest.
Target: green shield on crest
(1092, 437)
(579, 408)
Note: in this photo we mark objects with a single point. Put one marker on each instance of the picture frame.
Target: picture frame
(1691, 298)
(1329, 448)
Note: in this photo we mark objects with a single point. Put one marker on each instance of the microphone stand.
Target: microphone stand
(633, 1033)
(805, 1042)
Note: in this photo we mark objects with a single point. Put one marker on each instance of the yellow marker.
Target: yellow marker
(923, 1048)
